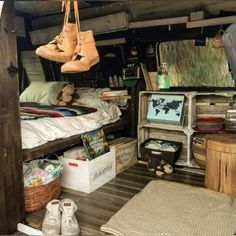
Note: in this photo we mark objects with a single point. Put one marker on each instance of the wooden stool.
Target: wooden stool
(221, 163)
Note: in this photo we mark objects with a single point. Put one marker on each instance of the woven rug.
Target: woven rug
(168, 208)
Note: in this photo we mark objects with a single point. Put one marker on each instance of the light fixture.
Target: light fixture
(211, 22)
(159, 22)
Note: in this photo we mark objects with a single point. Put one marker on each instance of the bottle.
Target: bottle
(120, 81)
(115, 81)
(111, 84)
(163, 77)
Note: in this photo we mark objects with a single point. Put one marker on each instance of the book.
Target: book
(125, 97)
(95, 143)
(166, 109)
(122, 92)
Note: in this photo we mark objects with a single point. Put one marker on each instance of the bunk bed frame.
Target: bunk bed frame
(60, 144)
(11, 184)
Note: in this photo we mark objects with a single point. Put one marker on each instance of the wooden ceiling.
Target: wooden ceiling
(139, 10)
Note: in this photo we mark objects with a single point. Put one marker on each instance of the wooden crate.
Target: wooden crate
(125, 152)
(147, 129)
(208, 104)
(178, 136)
(197, 104)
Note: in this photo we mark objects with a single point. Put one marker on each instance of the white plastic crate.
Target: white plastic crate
(86, 176)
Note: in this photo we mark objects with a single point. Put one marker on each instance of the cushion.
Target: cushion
(42, 92)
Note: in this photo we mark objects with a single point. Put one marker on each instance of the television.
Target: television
(229, 42)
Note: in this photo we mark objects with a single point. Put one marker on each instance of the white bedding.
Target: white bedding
(41, 131)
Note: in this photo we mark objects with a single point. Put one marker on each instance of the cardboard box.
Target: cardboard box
(86, 176)
(125, 152)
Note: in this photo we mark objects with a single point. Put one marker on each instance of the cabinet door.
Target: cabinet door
(11, 181)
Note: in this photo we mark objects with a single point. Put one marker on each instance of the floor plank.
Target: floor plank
(96, 208)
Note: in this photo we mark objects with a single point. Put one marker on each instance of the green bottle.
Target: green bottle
(163, 77)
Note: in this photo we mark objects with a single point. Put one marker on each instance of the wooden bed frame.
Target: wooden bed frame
(60, 144)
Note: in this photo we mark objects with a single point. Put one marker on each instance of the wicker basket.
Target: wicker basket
(199, 153)
(217, 40)
(37, 197)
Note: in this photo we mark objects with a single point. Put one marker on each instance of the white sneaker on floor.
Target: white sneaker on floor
(52, 220)
(69, 223)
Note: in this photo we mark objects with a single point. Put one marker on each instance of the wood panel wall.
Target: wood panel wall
(11, 179)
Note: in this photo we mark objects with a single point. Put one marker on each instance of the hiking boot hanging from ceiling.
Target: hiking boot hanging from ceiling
(85, 54)
(62, 47)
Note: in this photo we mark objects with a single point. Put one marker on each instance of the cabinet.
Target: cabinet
(197, 104)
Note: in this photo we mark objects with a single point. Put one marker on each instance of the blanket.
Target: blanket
(33, 111)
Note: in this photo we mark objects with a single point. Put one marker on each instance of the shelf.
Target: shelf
(166, 92)
(222, 131)
(181, 163)
(197, 105)
(147, 124)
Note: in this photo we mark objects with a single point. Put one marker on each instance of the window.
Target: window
(190, 65)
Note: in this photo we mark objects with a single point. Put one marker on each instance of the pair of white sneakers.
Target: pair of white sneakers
(60, 218)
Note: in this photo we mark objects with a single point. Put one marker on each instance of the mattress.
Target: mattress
(40, 131)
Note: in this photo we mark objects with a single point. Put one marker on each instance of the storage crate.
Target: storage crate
(125, 152)
(86, 176)
(167, 156)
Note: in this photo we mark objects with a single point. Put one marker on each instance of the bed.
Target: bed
(47, 135)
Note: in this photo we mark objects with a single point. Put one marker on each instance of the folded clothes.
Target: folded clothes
(161, 146)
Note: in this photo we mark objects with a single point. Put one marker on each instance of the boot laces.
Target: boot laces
(59, 39)
(68, 214)
(53, 217)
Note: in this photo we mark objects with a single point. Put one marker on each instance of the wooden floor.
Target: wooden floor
(96, 208)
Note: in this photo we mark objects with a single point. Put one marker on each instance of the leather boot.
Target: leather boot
(62, 47)
(85, 54)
